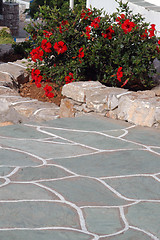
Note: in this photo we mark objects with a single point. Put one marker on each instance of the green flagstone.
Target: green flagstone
(89, 123)
(1, 181)
(13, 158)
(103, 220)
(38, 173)
(112, 164)
(21, 131)
(94, 139)
(146, 216)
(44, 235)
(5, 170)
(46, 150)
(129, 235)
(38, 215)
(84, 191)
(25, 191)
(145, 136)
(136, 187)
(114, 133)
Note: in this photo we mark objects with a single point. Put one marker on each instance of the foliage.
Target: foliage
(117, 50)
(5, 36)
(59, 4)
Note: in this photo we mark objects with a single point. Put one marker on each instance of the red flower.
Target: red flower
(95, 22)
(60, 29)
(69, 79)
(152, 30)
(119, 74)
(65, 23)
(145, 34)
(158, 41)
(35, 74)
(36, 54)
(127, 26)
(48, 90)
(109, 32)
(60, 47)
(46, 46)
(118, 19)
(86, 14)
(88, 30)
(47, 34)
(80, 55)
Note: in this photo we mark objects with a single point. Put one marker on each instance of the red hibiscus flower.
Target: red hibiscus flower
(152, 31)
(95, 22)
(119, 74)
(48, 92)
(69, 79)
(118, 19)
(145, 34)
(80, 55)
(36, 54)
(47, 34)
(46, 46)
(109, 32)
(35, 74)
(158, 41)
(127, 26)
(60, 47)
(86, 14)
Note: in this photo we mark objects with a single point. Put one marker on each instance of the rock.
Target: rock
(104, 99)
(156, 90)
(77, 90)
(112, 114)
(66, 108)
(12, 75)
(4, 105)
(140, 111)
(3, 124)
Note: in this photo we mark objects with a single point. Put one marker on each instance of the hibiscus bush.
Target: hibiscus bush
(117, 49)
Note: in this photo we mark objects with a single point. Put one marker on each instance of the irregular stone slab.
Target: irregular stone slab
(112, 164)
(16, 159)
(25, 191)
(104, 99)
(38, 215)
(45, 172)
(129, 235)
(140, 111)
(47, 114)
(66, 108)
(149, 137)
(2, 181)
(47, 150)
(77, 90)
(86, 192)
(2, 124)
(156, 90)
(4, 105)
(22, 132)
(145, 215)
(10, 73)
(88, 123)
(45, 235)
(95, 140)
(5, 171)
(103, 220)
(139, 188)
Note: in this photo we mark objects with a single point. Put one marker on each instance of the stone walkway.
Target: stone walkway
(79, 178)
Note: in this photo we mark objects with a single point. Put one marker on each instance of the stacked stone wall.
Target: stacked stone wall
(11, 17)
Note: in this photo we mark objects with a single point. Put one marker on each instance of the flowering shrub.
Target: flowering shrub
(117, 50)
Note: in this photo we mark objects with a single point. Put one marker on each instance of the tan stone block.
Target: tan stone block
(66, 109)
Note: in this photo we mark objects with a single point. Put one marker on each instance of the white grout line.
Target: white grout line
(147, 233)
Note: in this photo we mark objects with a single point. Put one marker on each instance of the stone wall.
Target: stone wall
(11, 17)
(140, 108)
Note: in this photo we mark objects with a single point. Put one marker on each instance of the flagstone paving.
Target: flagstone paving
(87, 178)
